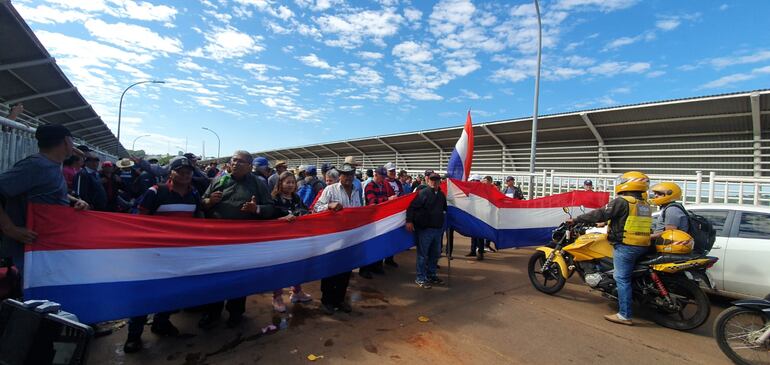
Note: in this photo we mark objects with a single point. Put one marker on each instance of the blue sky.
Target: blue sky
(268, 74)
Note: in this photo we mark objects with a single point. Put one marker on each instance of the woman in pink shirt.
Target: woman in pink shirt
(70, 168)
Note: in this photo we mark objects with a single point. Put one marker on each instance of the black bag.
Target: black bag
(702, 231)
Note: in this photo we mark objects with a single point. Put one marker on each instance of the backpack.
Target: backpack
(306, 194)
(702, 231)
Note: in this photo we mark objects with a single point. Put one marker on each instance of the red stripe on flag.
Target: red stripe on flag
(99, 230)
(588, 199)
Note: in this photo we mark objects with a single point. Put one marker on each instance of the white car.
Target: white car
(742, 246)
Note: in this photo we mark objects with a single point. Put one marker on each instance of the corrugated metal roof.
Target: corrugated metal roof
(28, 74)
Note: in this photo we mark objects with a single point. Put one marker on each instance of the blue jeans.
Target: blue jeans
(624, 259)
(428, 251)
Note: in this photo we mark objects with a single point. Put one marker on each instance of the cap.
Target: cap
(190, 156)
(351, 160)
(588, 182)
(428, 173)
(51, 135)
(280, 163)
(107, 164)
(474, 177)
(510, 178)
(390, 166)
(325, 167)
(125, 163)
(311, 170)
(434, 176)
(301, 168)
(381, 171)
(260, 162)
(347, 168)
(178, 162)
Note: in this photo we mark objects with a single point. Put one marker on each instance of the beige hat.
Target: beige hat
(279, 163)
(351, 160)
(125, 163)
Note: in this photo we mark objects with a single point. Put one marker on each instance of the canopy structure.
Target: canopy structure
(29, 75)
(728, 134)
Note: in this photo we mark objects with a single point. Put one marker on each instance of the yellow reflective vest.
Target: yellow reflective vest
(638, 227)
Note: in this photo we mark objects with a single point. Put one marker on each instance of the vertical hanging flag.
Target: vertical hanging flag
(459, 166)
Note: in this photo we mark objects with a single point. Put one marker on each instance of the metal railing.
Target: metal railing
(17, 141)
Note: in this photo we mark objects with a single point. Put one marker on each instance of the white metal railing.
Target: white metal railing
(18, 141)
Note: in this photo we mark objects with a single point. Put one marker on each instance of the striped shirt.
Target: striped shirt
(378, 193)
(164, 201)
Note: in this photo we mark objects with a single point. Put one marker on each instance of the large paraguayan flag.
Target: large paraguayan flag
(459, 166)
(118, 265)
(480, 210)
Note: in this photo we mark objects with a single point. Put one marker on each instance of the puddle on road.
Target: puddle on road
(366, 293)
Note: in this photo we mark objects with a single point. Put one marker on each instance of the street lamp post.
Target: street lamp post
(219, 143)
(532, 149)
(120, 106)
(133, 144)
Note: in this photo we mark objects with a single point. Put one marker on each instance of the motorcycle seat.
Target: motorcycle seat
(667, 258)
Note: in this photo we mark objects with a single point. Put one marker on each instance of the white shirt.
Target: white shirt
(336, 193)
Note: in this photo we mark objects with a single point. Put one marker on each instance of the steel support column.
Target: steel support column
(440, 150)
(503, 148)
(757, 133)
(13, 66)
(604, 159)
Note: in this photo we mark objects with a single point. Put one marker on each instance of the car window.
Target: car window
(754, 225)
(717, 219)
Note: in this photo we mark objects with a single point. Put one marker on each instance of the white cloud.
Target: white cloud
(461, 66)
(132, 37)
(365, 76)
(313, 61)
(188, 64)
(622, 41)
(412, 15)
(580, 61)
(47, 15)
(91, 52)
(600, 5)
(317, 5)
(410, 51)
(509, 74)
(614, 68)
(668, 24)
(723, 7)
(758, 56)
(736, 78)
(621, 90)
(351, 107)
(353, 29)
(228, 42)
(281, 12)
(139, 10)
(657, 73)
(370, 55)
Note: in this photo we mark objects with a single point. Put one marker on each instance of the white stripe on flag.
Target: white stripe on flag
(116, 265)
(176, 208)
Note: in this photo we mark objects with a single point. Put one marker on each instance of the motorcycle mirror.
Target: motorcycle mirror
(582, 208)
(565, 209)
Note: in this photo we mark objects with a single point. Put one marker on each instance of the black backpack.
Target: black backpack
(702, 231)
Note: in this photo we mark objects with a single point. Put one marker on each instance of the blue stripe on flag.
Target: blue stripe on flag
(94, 303)
(470, 226)
(455, 168)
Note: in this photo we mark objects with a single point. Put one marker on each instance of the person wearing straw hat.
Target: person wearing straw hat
(280, 167)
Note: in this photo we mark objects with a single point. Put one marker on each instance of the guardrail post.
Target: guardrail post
(550, 184)
(756, 193)
(545, 177)
(698, 186)
(712, 186)
(740, 192)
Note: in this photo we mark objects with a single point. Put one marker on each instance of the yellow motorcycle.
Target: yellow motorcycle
(665, 281)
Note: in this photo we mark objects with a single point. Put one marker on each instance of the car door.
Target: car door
(721, 219)
(747, 268)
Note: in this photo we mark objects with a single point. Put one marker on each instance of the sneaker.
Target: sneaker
(207, 321)
(278, 305)
(391, 262)
(234, 320)
(378, 270)
(423, 284)
(489, 248)
(436, 281)
(132, 345)
(616, 318)
(328, 309)
(472, 254)
(345, 307)
(300, 297)
(365, 274)
(164, 328)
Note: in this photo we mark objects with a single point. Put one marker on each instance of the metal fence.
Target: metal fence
(17, 141)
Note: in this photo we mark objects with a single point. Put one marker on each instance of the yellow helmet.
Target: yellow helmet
(674, 241)
(670, 192)
(632, 181)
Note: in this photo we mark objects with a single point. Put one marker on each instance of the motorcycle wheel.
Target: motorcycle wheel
(695, 305)
(734, 330)
(540, 280)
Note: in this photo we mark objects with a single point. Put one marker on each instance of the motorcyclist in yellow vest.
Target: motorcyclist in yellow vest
(673, 215)
(629, 218)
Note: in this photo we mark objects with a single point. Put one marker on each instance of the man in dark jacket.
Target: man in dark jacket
(425, 215)
(239, 195)
(88, 184)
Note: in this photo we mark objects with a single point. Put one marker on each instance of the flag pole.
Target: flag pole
(533, 150)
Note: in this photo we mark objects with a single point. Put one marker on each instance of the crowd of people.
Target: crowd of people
(244, 188)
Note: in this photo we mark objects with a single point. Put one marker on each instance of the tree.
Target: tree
(137, 153)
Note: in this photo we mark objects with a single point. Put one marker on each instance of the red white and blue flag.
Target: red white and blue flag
(118, 265)
(480, 210)
(459, 166)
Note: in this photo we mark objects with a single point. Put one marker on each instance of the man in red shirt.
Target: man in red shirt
(377, 191)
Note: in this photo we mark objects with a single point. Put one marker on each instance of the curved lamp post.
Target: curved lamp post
(133, 144)
(219, 142)
(120, 107)
(532, 149)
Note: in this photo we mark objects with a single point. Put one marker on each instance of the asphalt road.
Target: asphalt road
(487, 313)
